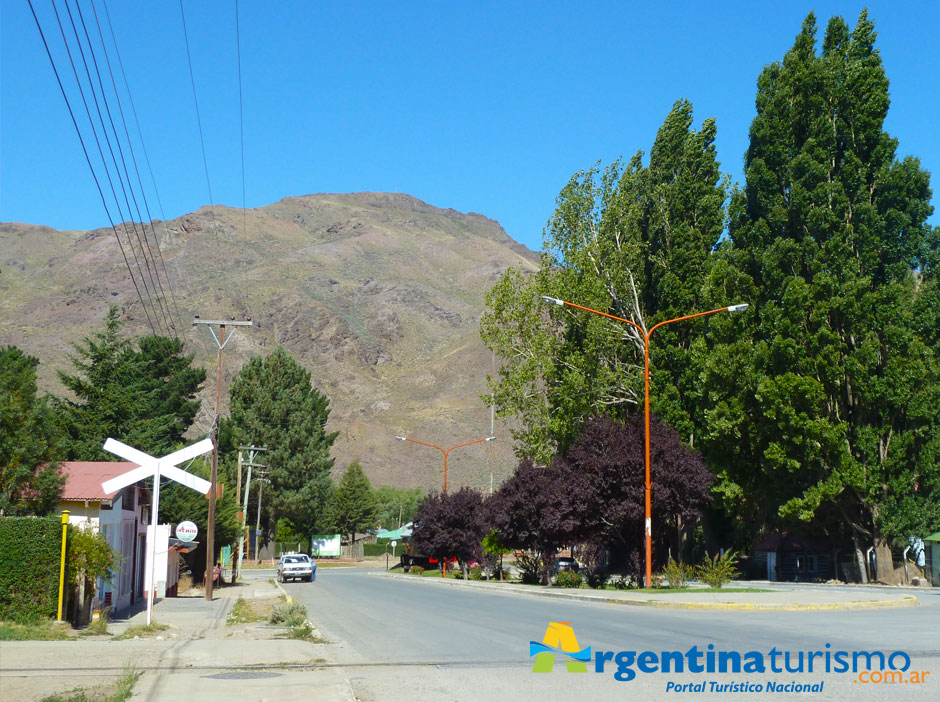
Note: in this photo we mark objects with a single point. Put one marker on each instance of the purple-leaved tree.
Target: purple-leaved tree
(604, 475)
(450, 526)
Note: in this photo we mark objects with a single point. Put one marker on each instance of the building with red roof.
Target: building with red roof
(122, 517)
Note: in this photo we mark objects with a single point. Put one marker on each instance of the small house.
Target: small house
(122, 517)
(790, 557)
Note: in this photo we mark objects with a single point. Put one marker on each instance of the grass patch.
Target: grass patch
(289, 613)
(257, 610)
(121, 691)
(43, 631)
(141, 630)
(98, 627)
(294, 615)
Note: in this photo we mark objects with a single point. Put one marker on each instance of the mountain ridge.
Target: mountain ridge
(379, 295)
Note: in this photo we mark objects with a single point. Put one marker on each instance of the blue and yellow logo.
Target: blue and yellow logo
(559, 639)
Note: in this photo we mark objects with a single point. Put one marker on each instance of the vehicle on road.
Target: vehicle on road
(296, 566)
(564, 563)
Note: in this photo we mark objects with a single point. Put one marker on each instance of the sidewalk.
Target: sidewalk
(198, 657)
(779, 598)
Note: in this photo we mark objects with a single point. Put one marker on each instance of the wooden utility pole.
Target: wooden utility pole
(210, 527)
(242, 513)
(261, 481)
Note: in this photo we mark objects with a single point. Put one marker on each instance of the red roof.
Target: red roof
(83, 478)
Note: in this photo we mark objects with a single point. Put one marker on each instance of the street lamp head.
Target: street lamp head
(553, 301)
(490, 438)
(401, 438)
(737, 308)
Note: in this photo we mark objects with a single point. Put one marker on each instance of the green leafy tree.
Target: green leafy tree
(274, 404)
(396, 506)
(832, 403)
(30, 442)
(145, 397)
(633, 241)
(354, 505)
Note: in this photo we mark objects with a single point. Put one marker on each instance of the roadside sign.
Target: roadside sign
(186, 531)
(148, 466)
(394, 544)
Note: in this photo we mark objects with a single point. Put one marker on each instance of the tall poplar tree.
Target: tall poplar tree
(632, 240)
(835, 406)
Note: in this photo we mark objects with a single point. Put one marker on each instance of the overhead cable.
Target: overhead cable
(140, 183)
(128, 190)
(88, 160)
(140, 135)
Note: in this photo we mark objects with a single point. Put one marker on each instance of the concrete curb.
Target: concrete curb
(289, 598)
(534, 591)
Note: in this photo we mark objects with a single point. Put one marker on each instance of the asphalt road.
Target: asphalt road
(408, 640)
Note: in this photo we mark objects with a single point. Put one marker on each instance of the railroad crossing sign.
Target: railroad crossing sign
(148, 466)
(157, 467)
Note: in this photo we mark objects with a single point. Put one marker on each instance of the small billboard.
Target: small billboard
(325, 546)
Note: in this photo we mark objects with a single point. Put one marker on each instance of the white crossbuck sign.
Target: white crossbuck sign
(157, 467)
(148, 466)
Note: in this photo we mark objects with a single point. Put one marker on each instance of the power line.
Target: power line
(161, 303)
(137, 172)
(98, 141)
(202, 141)
(143, 144)
(94, 175)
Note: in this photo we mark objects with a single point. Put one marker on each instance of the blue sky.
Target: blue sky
(480, 106)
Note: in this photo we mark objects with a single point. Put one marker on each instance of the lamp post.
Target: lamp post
(646, 404)
(445, 452)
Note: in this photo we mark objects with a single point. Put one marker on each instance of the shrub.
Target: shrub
(29, 567)
(623, 582)
(382, 547)
(676, 574)
(416, 570)
(530, 568)
(716, 571)
(476, 573)
(568, 578)
(293, 614)
(596, 578)
(99, 626)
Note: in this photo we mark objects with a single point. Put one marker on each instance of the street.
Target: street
(403, 639)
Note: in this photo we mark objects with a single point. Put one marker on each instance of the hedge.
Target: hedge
(29, 567)
(379, 549)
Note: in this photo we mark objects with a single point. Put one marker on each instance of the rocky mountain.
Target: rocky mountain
(378, 295)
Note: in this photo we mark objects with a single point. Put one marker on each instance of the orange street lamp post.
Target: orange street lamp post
(445, 452)
(646, 404)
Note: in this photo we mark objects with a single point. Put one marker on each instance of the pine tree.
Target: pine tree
(30, 440)
(144, 397)
(274, 404)
(354, 506)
